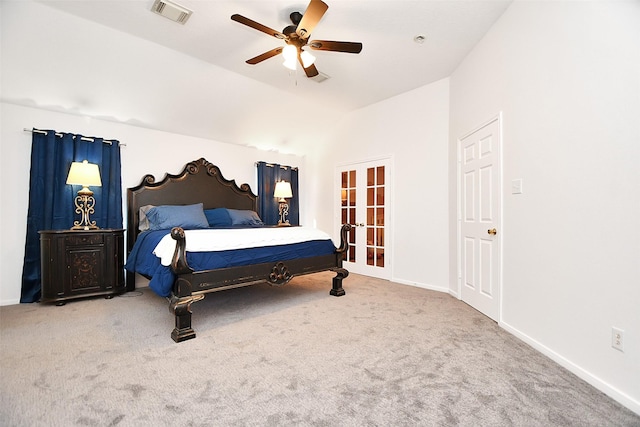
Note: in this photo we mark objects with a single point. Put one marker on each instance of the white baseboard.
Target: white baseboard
(420, 285)
(9, 301)
(619, 396)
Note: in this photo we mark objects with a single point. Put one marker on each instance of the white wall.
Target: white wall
(146, 151)
(57, 61)
(411, 129)
(566, 76)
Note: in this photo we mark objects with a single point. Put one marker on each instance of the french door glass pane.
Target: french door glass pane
(380, 180)
(380, 196)
(351, 251)
(348, 208)
(371, 176)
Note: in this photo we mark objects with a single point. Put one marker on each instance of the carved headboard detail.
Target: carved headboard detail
(199, 182)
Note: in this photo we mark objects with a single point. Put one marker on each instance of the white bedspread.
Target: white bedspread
(228, 239)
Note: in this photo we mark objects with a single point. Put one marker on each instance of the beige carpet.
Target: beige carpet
(384, 354)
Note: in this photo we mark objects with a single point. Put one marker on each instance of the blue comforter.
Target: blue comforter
(142, 260)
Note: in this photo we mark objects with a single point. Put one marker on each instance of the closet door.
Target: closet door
(480, 208)
(364, 195)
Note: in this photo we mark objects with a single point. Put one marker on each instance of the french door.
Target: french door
(364, 190)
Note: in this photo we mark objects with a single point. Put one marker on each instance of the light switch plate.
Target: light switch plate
(516, 186)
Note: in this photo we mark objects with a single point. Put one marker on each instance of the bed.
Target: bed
(183, 284)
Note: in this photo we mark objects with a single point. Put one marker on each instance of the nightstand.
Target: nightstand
(79, 263)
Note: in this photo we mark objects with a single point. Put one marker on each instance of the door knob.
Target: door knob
(492, 232)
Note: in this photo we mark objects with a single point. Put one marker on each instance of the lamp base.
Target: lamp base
(84, 206)
(283, 211)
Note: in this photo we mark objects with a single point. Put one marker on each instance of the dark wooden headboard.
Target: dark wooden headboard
(200, 181)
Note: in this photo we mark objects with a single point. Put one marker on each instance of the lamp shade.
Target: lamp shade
(85, 174)
(290, 53)
(307, 59)
(283, 190)
(290, 64)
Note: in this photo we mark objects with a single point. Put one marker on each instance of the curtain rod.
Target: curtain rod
(84, 138)
(269, 165)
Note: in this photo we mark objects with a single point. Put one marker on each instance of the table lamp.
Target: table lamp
(85, 174)
(282, 192)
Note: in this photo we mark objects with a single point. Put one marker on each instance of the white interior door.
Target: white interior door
(480, 207)
(363, 202)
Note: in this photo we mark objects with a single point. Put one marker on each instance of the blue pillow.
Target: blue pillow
(218, 217)
(244, 217)
(187, 216)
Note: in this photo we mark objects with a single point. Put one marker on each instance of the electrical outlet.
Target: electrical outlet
(617, 339)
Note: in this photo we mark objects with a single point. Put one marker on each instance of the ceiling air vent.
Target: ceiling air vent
(171, 10)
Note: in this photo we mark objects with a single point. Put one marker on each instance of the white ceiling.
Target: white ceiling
(389, 64)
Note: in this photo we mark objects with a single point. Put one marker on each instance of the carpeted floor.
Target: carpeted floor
(384, 354)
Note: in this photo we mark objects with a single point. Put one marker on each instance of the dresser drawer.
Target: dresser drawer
(84, 239)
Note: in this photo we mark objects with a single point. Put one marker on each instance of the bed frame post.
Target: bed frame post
(181, 308)
(182, 297)
(341, 252)
(337, 290)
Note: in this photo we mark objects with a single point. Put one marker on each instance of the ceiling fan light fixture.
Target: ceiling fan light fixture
(290, 53)
(307, 59)
(290, 64)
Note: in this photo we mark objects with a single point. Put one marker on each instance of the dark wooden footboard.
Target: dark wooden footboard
(191, 286)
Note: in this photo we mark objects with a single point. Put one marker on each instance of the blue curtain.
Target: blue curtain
(51, 200)
(268, 175)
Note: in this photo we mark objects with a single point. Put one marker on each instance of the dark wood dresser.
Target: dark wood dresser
(78, 264)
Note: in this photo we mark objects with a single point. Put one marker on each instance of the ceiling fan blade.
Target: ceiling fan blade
(315, 11)
(257, 26)
(347, 47)
(311, 71)
(266, 55)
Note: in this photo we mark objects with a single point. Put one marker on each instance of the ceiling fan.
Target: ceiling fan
(296, 37)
